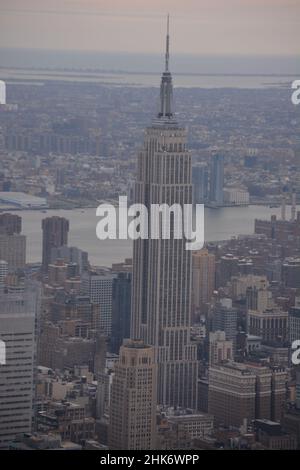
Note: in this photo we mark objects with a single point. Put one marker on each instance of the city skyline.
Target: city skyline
(143, 343)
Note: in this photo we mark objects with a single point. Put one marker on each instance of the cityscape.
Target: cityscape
(138, 343)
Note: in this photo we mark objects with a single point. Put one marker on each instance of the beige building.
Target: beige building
(162, 268)
(219, 349)
(132, 418)
(204, 270)
(240, 284)
(242, 392)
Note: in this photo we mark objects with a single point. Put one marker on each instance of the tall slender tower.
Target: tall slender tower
(161, 291)
(55, 235)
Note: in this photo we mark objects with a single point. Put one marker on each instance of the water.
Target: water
(144, 69)
(220, 224)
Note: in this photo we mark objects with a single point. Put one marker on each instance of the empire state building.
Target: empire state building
(161, 292)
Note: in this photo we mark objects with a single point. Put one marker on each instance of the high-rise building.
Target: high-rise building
(55, 234)
(161, 294)
(13, 251)
(204, 271)
(217, 179)
(200, 183)
(225, 319)
(242, 392)
(99, 288)
(294, 321)
(121, 310)
(10, 224)
(18, 320)
(271, 324)
(132, 420)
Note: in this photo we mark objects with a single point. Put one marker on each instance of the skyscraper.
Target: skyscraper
(99, 288)
(200, 182)
(10, 223)
(225, 319)
(161, 293)
(18, 320)
(13, 250)
(133, 399)
(121, 310)
(204, 273)
(55, 234)
(217, 179)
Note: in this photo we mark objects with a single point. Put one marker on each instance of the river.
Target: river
(220, 224)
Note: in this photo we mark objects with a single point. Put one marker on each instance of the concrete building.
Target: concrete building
(294, 321)
(99, 289)
(13, 251)
(203, 277)
(18, 319)
(200, 183)
(121, 310)
(271, 435)
(236, 196)
(242, 392)
(271, 325)
(10, 224)
(225, 319)
(217, 179)
(55, 234)
(132, 419)
(161, 294)
(219, 348)
(240, 284)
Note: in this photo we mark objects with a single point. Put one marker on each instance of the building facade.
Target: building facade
(132, 420)
(161, 294)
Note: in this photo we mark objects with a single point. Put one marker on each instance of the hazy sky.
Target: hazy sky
(197, 26)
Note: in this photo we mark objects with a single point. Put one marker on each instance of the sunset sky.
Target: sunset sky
(197, 26)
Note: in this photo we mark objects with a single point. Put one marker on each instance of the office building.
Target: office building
(200, 183)
(242, 392)
(294, 321)
(132, 419)
(13, 251)
(161, 295)
(217, 179)
(121, 310)
(203, 276)
(18, 319)
(99, 289)
(219, 348)
(225, 319)
(55, 234)
(10, 224)
(271, 324)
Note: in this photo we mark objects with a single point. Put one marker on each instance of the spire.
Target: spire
(165, 114)
(168, 44)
